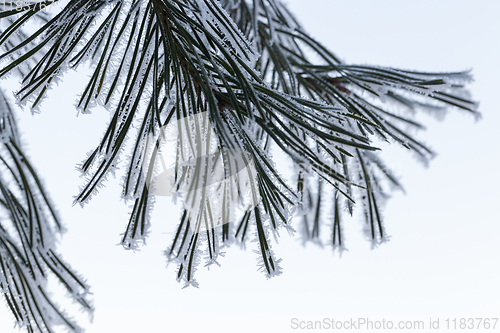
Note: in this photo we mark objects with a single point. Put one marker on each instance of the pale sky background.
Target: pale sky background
(442, 260)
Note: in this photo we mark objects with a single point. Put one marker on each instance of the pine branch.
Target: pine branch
(225, 81)
(28, 228)
(365, 94)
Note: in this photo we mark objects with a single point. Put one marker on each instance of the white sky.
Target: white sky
(442, 260)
